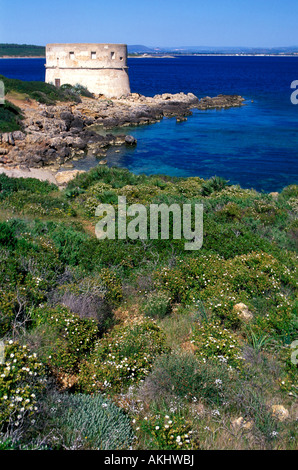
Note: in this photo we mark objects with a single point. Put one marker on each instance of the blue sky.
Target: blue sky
(249, 23)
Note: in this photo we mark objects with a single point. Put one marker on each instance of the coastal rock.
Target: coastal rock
(130, 140)
(18, 135)
(7, 138)
(77, 122)
(52, 135)
(65, 176)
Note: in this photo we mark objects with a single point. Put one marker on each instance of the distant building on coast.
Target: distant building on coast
(102, 68)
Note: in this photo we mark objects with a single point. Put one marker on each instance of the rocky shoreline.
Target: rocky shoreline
(52, 136)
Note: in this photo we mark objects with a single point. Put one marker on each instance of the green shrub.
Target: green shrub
(41, 91)
(26, 203)
(215, 184)
(7, 235)
(22, 380)
(89, 422)
(290, 192)
(212, 277)
(72, 337)
(10, 117)
(7, 311)
(10, 185)
(122, 357)
(76, 90)
(112, 282)
(231, 211)
(168, 432)
(213, 341)
(28, 272)
(70, 243)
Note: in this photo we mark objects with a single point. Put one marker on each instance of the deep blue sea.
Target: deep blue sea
(255, 145)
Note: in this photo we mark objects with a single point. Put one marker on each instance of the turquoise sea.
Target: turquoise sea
(255, 145)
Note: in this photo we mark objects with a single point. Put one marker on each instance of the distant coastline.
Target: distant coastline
(170, 56)
(22, 57)
(174, 56)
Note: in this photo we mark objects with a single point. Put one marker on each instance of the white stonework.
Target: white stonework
(102, 68)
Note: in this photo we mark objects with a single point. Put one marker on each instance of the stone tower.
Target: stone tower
(102, 68)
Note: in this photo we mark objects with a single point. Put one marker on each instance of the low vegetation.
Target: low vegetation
(11, 116)
(42, 92)
(120, 344)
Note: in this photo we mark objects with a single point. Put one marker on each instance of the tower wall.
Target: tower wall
(102, 68)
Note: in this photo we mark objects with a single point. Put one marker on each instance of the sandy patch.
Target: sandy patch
(38, 173)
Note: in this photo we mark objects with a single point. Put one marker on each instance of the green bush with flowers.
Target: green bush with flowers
(221, 306)
(209, 275)
(211, 340)
(122, 357)
(167, 432)
(22, 380)
(71, 337)
(276, 315)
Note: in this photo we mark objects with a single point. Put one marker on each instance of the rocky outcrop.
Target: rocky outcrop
(243, 312)
(64, 177)
(280, 412)
(53, 135)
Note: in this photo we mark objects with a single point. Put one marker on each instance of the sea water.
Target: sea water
(255, 145)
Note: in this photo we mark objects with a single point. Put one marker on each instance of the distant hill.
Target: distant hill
(25, 50)
(22, 50)
(228, 50)
(139, 49)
